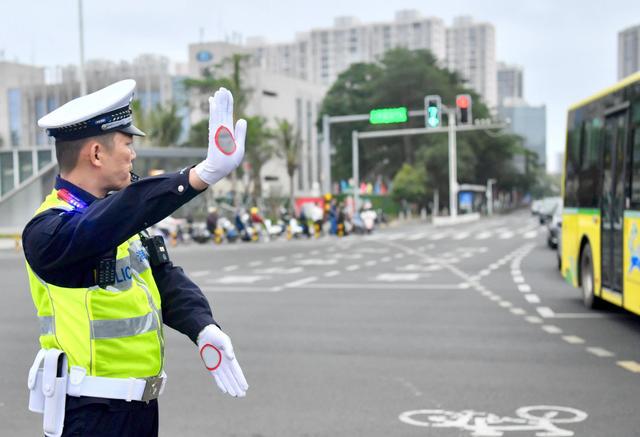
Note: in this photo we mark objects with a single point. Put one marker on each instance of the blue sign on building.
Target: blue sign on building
(204, 56)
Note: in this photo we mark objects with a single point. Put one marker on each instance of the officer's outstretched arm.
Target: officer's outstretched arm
(217, 354)
(226, 144)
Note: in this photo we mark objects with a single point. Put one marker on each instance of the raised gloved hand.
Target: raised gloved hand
(217, 353)
(226, 146)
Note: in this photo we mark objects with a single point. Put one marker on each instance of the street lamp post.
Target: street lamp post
(453, 164)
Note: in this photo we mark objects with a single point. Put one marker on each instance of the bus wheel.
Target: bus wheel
(586, 278)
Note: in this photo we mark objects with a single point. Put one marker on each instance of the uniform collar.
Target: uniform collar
(81, 194)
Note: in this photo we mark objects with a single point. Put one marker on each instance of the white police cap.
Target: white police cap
(106, 110)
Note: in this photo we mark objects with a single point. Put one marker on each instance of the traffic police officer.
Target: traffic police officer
(102, 286)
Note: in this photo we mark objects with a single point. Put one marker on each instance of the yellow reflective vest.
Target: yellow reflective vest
(112, 332)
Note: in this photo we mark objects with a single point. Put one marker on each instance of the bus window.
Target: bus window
(589, 166)
(572, 174)
(635, 170)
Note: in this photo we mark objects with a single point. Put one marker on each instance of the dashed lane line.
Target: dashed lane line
(551, 329)
(331, 273)
(573, 339)
(352, 268)
(600, 352)
(524, 288)
(631, 366)
(532, 298)
(199, 273)
(230, 268)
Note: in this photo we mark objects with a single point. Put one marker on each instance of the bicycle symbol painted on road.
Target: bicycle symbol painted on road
(542, 419)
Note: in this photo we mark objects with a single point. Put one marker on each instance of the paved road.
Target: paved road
(360, 336)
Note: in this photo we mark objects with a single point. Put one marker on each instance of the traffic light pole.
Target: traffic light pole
(451, 129)
(453, 164)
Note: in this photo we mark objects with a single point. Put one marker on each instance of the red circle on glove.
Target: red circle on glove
(211, 369)
(224, 141)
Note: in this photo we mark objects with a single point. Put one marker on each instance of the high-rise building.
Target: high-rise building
(510, 82)
(471, 52)
(321, 54)
(628, 51)
(31, 92)
(530, 122)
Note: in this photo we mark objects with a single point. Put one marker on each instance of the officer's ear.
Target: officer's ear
(96, 152)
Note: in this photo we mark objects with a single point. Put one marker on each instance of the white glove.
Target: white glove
(226, 148)
(218, 357)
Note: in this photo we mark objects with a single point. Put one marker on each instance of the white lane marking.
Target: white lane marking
(533, 319)
(464, 285)
(524, 288)
(297, 255)
(631, 366)
(230, 268)
(578, 316)
(505, 304)
(484, 272)
(386, 259)
(314, 252)
(399, 255)
(300, 282)
(530, 234)
(494, 266)
(518, 311)
(516, 272)
(494, 298)
(418, 236)
(391, 277)
(506, 235)
(236, 289)
(279, 270)
(532, 298)
(244, 279)
(483, 235)
(317, 262)
(545, 312)
(518, 279)
(572, 339)
(199, 273)
(371, 263)
(600, 352)
(438, 236)
(461, 235)
(389, 287)
(332, 273)
(255, 263)
(352, 268)
(278, 259)
(551, 329)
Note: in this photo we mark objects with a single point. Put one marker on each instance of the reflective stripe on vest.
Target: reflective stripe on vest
(46, 325)
(117, 328)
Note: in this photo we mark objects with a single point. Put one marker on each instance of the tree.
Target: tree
(199, 134)
(258, 150)
(289, 145)
(409, 184)
(403, 78)
(165, 126)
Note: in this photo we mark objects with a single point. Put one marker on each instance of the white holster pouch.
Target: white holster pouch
(47, 384)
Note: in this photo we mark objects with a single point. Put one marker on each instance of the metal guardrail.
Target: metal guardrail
(20, 165)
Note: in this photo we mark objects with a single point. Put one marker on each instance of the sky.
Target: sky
(568, 48)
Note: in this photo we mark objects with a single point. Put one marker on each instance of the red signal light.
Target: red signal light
(462, 102)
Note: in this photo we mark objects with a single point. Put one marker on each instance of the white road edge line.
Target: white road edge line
(302, 281)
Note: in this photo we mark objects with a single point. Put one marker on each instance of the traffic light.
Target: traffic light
(433, 111)
(463, 105)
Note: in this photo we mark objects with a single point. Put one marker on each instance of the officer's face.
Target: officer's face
(119, 162)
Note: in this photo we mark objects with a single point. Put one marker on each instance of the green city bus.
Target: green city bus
(601, 191)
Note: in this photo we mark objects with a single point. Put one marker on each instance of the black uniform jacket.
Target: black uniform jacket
(64, 247)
